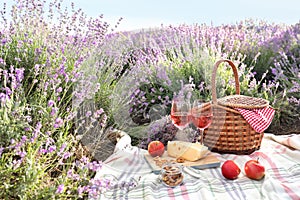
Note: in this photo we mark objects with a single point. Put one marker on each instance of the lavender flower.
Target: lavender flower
(59, 90)
(162, 130)
(4, 98)
(62, 148)
(24, 139)
(51, 149)
(51, 103)
(53, 111)
(58, 122)
(66, 155)
(72, 175)
(60, 189)
(94, 166)
(2, 62)
(80, 191)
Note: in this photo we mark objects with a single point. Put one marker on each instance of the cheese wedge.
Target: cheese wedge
(187, 150)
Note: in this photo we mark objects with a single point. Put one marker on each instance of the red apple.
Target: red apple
(230, 170)
(156, 148)
(254, 170)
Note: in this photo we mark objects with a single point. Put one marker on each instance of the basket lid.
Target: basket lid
(241, 101)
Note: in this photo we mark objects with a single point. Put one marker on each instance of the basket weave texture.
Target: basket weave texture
(241, 101)
(229, 131)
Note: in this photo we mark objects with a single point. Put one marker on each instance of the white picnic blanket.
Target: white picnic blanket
(131, 176)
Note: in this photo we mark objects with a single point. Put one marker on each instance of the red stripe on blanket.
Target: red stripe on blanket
(184, 192)
(171, 194)
(133, 158)
(288, 190)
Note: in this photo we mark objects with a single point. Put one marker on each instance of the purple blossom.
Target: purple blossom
(46, 85)
(137, 91)
(24, 138)
(3, 41)
(72, 175)
(22, 154)
(62, 148)
(51, 149)
(43, 151)
(84, 160)
(28, 118)
(98, 113)
(19, 74)
(12, 141)
(48, 133)
(62, 70)
(2, 62)
(37, 51)
(53, 111)
(66, 155)
(94, 166)
(80, 190)
(17, 163)
(59, 90)
(294, 100)
(58, 122)
(4, 97)
(88, 113)
(7, 90)
(51, 103)
(60, 189)
(36, 131)
(20, 43)
(38, 126)
(37, 68)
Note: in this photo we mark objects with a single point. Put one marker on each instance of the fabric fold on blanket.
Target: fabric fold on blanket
(292, 141)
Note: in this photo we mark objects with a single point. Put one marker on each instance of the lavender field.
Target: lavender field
(64, 75)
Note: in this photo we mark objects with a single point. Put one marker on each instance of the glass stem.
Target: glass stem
(201, 136)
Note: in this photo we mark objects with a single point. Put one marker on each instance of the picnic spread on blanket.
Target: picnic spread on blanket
(234, 159)
(280, 155)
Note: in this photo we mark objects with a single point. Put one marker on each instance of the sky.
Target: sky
(139, 14)
(152, 13)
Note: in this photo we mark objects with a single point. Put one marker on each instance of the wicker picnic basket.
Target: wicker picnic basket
(229, 131)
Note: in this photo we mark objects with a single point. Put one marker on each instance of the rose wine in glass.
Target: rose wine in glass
(180, 113)
(201, 116)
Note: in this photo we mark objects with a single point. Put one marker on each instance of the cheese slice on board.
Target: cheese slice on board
(186, 150)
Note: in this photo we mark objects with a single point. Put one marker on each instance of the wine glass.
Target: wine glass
(201, 115)
(180, 113)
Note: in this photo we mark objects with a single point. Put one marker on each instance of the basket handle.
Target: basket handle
(214, 74)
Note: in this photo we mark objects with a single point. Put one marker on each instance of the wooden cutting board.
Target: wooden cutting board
(209, 161)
